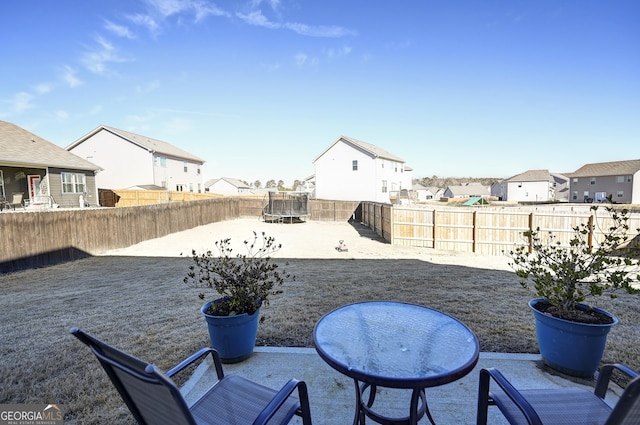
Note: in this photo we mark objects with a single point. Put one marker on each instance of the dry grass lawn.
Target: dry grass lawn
(140, 305)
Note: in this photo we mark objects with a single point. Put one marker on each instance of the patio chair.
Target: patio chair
(560, 406)
(17, 200)
(154, 399)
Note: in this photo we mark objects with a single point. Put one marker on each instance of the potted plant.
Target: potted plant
(572, 334)
(242, 283)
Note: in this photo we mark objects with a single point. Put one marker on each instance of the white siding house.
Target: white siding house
(531, 186)
(129, 160)
(352, 170)
(227, 186)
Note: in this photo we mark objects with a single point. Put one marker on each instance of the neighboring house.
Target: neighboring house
(45, 174)
(596, 182)
(499, 190)
(227, 186)
(562, 187)
(530, 186)
(308, 186)
(469, 190)
(423, 193)
(352, 170)
(129, 160)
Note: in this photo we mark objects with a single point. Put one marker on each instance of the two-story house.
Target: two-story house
(43, 174)
(352, 170)
(530, 186)
(597, 182)
(130, 160)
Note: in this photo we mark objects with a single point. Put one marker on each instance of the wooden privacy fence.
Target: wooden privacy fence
(482, 231)
(38, 238)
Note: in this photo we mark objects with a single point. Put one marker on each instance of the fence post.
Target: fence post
(591, 229)
(434, 228)
(530, 230)
(474, 231)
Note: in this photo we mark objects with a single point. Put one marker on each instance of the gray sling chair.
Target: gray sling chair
(560, 406)
(154, 399)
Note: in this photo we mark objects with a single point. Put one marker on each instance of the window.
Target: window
(184, 165)
(574, 196)
(163, 184)
(73, 182)
(1, 185)
(593, 180)
(620, 179)
(395, 167)
(163, 161)
(354, 165)
(179, 188)
(198, 172)
(384, 186)
(575, 180)
(199, 186)
(620, 194)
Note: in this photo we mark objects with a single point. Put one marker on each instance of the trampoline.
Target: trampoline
(286, 206)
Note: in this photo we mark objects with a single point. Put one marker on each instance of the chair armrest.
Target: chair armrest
(281, 397)
(520, 402)
(195, 357)
(602, 384)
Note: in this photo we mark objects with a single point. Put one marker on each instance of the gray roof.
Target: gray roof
(372, 150)
(471, 189)
(235, 182)
(19, 147)
(152, 145)
(532, 176)
(616, 168)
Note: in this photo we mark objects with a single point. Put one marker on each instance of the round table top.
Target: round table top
(396, 345)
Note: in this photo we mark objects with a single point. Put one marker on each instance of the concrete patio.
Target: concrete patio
(332, 395)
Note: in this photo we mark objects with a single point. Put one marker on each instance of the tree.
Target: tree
(296, 184)
(257, 184)
(281, 184)
(271, 183)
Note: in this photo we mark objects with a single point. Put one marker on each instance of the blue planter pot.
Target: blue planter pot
(571, 347)
(232, 336)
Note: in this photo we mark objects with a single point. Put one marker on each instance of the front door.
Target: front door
(34, 186)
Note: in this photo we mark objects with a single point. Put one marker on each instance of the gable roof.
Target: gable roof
(151, 145)
(470, 189)
(19, 147)
(615, 168)
(532, 176)
(372, 150)
(234, 182)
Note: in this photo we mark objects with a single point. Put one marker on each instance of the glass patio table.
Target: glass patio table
(395, 345)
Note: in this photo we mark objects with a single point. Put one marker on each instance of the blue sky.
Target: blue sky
(258, 89)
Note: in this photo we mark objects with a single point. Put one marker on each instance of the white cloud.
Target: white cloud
(70, 77)
(149, 87)
(43, 88)
(319, 31)
(97, 60)
(342, 51)
(270, 67)
(22, 101)
(145, 21)
(302, 60)
(119, 30)
(257, 18)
